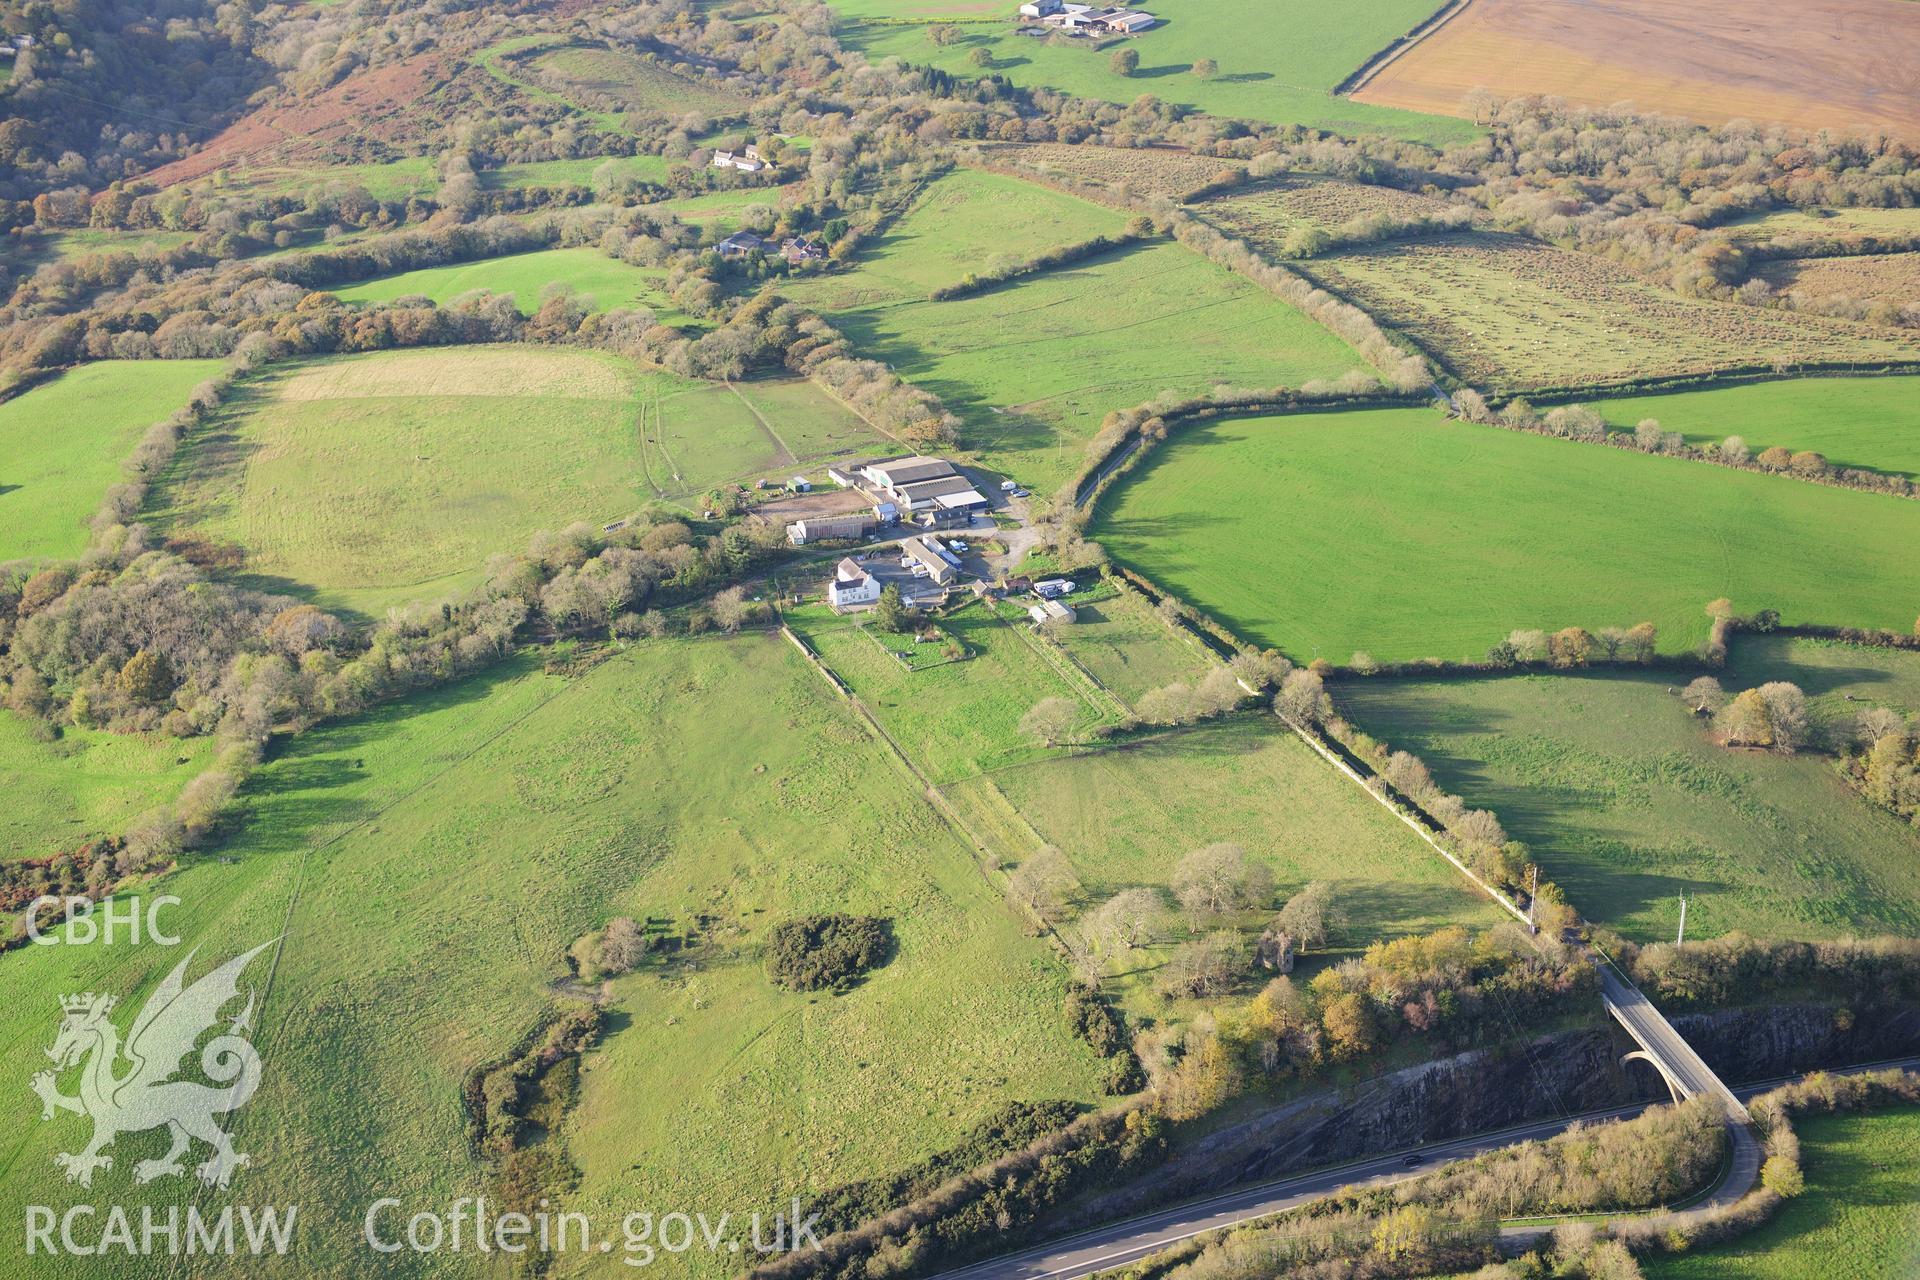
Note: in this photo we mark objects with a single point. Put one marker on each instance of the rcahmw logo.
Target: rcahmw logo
(132, 1086)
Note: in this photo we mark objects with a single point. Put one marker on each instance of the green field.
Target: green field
(959, 718)
(609, 282)
(1032, 369)
(699, 435)
(1839, 679)
(1126, 646)
(1275, 67)
(1857, 1219)
(429, 866)
(967, 221)
(1508, 313)
(1626, 803)
(579, 172)
(1826, 223)
(1267, 523)
(1856, 422)
(84, 784)
(62, 443)
(383, 180)
(365, 481)
(373, 480)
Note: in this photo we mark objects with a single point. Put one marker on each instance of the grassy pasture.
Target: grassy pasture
(1626, 802)
(1838, 679)
(594, 76)
(1856, 422)
(1825, 223)
(62, 442)
(383, 180)
(84, 785)
(1032, 369)
(609, 282)
(371, 480)
(431, 863)
(1855, 1221)
(1242, 517)
(1510, 313)
(576, 172)
(1263, 215)
(1126, 647)
(966, 221)
(959, 718)
(1147, 171)
(1892, 278)
(1280, 69)
(1126, 816)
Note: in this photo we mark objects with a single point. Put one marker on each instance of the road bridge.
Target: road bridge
(1686, 1074)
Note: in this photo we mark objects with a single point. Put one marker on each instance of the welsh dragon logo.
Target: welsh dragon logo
(130, 1088)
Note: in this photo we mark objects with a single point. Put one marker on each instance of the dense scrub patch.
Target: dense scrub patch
(827, 952)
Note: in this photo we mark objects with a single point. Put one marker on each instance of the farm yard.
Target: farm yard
(1718, 61)
(1582, 535)
(1872, 423)
(588, 272)
(1032, 369)
(1281, 72)
(1508, 313)
(63, 443)
(1626, 802)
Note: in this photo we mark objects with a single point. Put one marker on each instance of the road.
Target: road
(1120, 1243)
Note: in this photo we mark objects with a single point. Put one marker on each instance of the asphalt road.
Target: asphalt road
(1120, 1243)
(1656, 1035)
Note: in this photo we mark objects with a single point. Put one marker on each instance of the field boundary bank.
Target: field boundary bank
(1388, 56)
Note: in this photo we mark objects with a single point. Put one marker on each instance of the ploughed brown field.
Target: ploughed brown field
(1832, 64)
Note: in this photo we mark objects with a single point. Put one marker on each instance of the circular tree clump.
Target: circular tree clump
(827, 952)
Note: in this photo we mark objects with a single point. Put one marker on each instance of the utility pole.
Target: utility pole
(1533, 894)
(1682, 935)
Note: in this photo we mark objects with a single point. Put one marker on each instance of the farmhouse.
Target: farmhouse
(1051, 611)
(852, 585)
(740, 244)
(747, 161)
(925, 556)
(818, 528)
(797, 250)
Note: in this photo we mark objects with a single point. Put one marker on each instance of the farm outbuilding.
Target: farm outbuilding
(817, 528)
(1051, 611)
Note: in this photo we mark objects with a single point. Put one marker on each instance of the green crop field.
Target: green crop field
(959, 718)
(1856, 1220)
(588, 272)
(1033, 368)
(430, 864)
(62, 443)
(1856, 422)
(1478, 302)
(1278, 68)
(1627, 802)
(84, 784)
(1127, 647)
(1268, 522)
